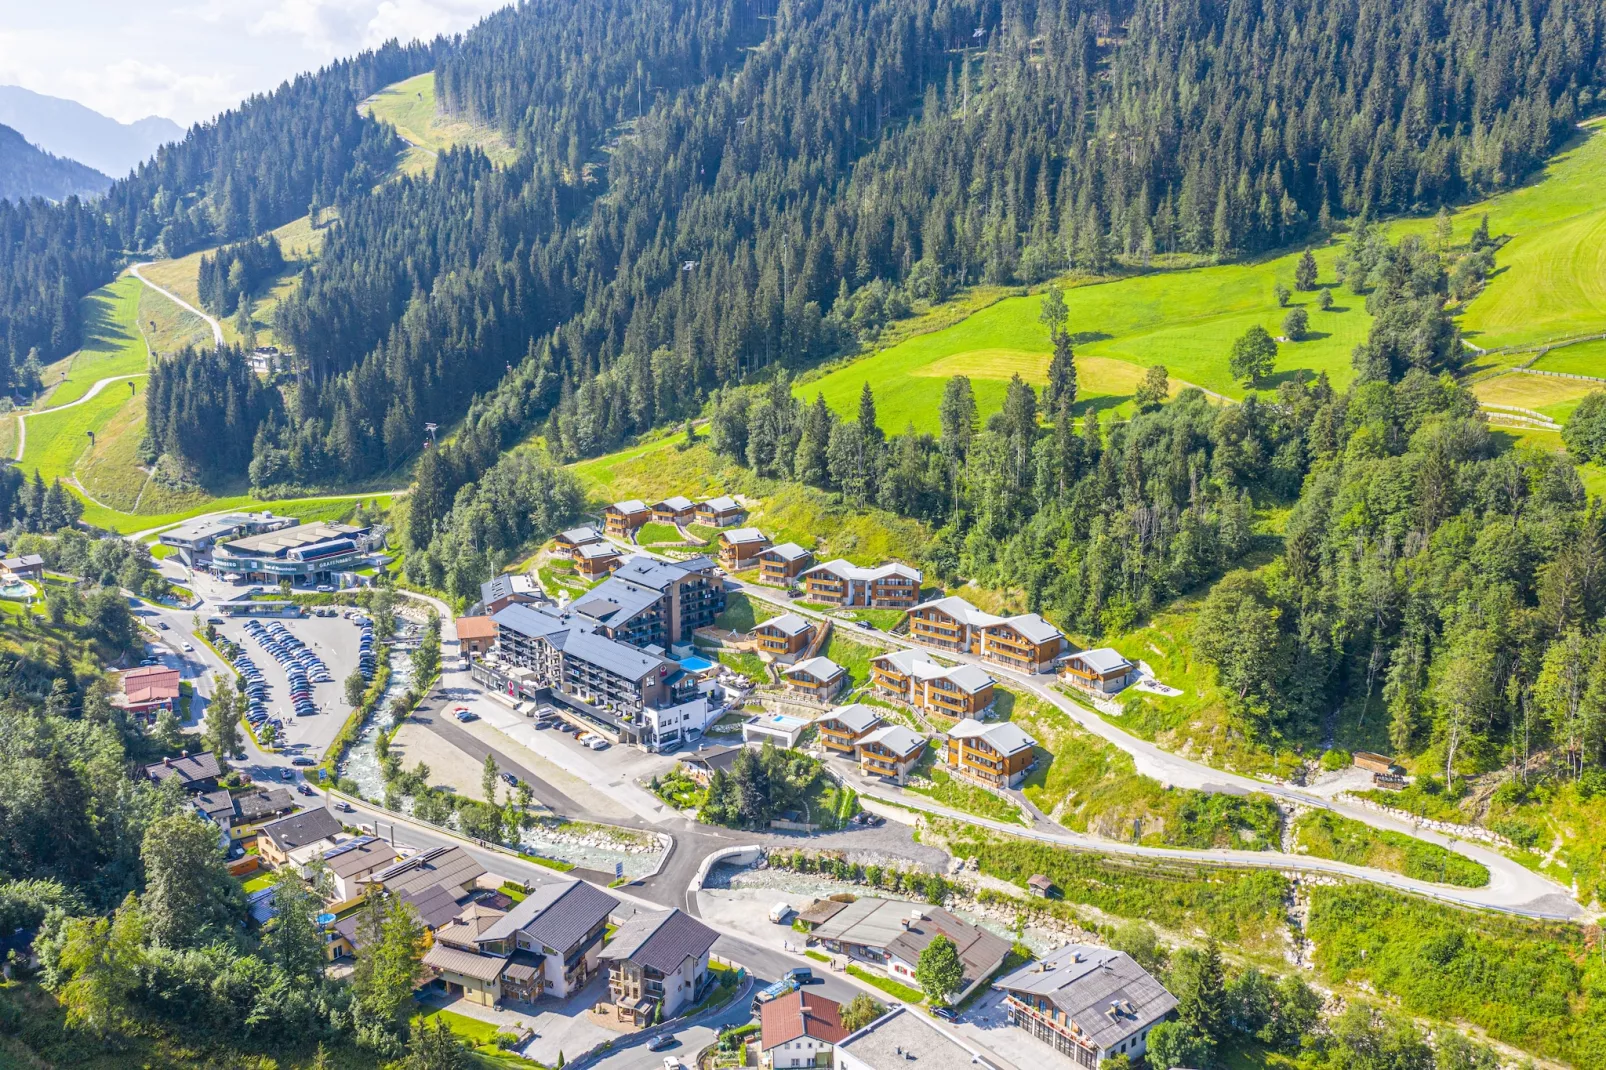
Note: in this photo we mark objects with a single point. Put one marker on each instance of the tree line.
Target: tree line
(234, 271)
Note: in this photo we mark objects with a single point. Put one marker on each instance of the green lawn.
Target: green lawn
(1548, 394)
(852, 656)
(56, 440)
(653, 532)
(1326, 835)
(1585, 358)
(742, 614)
(897, 991)
(257, 883)
(477, 1034)
(112, 343)
(959, 794)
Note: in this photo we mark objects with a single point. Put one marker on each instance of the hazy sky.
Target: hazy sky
(190, 59)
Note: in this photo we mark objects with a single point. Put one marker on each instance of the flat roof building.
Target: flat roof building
(905, 1039)
(194, 539)
(304, 553)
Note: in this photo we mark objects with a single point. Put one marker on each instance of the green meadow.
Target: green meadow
(112, 343)
(409, 106)
(1550, 283)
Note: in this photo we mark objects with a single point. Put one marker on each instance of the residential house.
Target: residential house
(784, 637)
(1025, 642)
(799, 1029)
(238, 815)
(476, 636)
(702, 765)
(675, 510)
(25, 567)
(890, 751)
(996, 754)
(1087, 1003)
(892, 933)
(455, 961)
(560, 925)
(148, 690)
(840, 583)
(905, 1038)
(569, 541)
(450, 867)
(721, 512)
(915, 677)
(1101, 669)
(781, 565)
(351, 863)
(275, 841)
(843, 727)
(595, 560)
(435, 908)
(621, 519)
(817, 679)
(739, 548)
(657, 960)
(194, 772)
(508, 589)
(665, 728)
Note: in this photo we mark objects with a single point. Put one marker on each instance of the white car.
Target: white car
(189, 648)
(671, 1063)
(597, 743)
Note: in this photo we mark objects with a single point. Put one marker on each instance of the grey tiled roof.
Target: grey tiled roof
(1105, 993)
(298, 830)
(556, 915)
(1033, 627)
(528, 621)
(450, 866)
(660, 941)
(189, 769)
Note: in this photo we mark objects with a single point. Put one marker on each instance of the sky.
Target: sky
(188, 60)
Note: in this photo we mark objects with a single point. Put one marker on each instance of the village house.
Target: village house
(657, 960)
(1087, 1003)
(148, 690)
(915, 677)
(276, 841)
(799, 1029)
(721, 512)
(476, 636)
(675, 510)
(25, 567)
(702, 765)
(194, 772)
(621, 519)
(891, 934)
(739, 548)
(903, 1039)
(1101, 669)
(817, 679)
(1025, 642)
(780, 729)
(843, 727)
(840, 583)
(890, 751)
(567, 542)
(351, 863)
(997, 754)
(435, 908)
(239, 815)
(595, 560)
(450, 867)
(781, 565)
(508, 589)
(784, 637)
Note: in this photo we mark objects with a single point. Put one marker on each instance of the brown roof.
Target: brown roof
(800, 1014)
(467, 963)
(188, 769)
(152, 683)
(451, 866)
(820, 911)
(476, 628)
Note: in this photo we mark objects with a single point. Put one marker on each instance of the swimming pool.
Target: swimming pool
(696, 664)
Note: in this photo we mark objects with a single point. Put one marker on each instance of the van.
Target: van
(780, 912)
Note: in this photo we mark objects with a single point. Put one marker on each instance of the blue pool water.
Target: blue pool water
(696, 664)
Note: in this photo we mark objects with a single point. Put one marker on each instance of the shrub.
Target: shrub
(1336, 759)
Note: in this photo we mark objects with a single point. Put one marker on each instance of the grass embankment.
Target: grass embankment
(1090, 785)
(902, 993)
(852, 656)
(1538, 986)
(410, 107)
(353, 727)
(479, 1036)
(656, 534)
(1326, 835)
(743, 614)
(786, 512)
(1584, 358)
(1553, 397)
(957, 794)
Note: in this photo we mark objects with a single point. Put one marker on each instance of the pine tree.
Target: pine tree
(1305, 272)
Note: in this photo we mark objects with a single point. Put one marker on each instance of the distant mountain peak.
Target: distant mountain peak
(27, 171)
(69, 129)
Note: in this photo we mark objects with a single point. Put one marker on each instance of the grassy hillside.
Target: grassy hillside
(1550, 283)
(409, 106)
(112, 343)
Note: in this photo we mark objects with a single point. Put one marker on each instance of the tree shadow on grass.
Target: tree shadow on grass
(1291, 375)
(1312, 336)
(1101, 403)
(98, 326)
(1082, 338)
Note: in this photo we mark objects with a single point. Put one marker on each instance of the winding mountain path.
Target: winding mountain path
(217, 328)
(95, 388)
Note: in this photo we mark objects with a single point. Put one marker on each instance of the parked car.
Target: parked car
(780, 912)
(302, 761)
(671, 1063)
(947, 1014)
(597, 743)
(465, 716)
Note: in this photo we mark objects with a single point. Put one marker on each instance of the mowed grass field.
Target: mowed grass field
(1185, 320)
(1554, 397)
(1550, 283)
(410, 107)
(112, 343)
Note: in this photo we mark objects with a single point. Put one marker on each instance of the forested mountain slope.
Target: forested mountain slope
(28, 171)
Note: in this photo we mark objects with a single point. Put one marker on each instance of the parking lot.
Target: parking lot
(334, 639)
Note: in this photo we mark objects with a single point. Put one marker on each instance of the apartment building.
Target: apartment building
(915, 677)
(890, 751)
(843, 728)
(1087, 1004)
(997, 754)
(781, 565)
(1101, 669)
(569, 541)
(621, 519)
(784, 637)
(657, 964)
(721, 512)
(1025, 642)
(675, 510)
(739, 548)
(816, 679)
(840, 583)
(567, 652)
(690, 593)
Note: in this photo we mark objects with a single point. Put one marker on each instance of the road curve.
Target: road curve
(217, 328)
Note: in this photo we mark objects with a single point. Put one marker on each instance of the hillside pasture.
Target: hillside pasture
(112, 343)
(1584, 358)
(1553, 396)
(410, 107)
